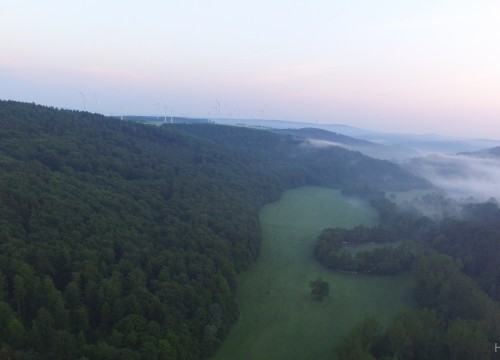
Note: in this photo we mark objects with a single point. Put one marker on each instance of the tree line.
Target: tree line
(455, 320)
(456, 272)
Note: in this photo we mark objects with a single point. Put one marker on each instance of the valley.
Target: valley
(278, 317)
(189, 241)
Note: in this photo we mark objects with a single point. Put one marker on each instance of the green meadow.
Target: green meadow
(278, 318)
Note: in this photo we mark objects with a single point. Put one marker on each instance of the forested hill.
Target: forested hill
(122, 241)
(325, 166)
(493, 153)
(325, 138)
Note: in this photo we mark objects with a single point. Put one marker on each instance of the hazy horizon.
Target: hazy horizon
(414, 67)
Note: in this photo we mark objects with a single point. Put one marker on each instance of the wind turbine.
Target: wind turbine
(157, 109)
(165, 107)
(215, 114)
(84, 101)
(209, 115)
(97, 102)
(218, 110)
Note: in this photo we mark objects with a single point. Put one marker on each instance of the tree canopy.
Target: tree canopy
(319, 288)
(123, 240)
(456, 273)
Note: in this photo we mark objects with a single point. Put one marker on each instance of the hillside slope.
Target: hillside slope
(324, 138)
(331, 166)
(122, 241)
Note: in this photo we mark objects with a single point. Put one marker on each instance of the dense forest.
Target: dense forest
(456, 266)
(120, 240)
(332, 166)
(455, 320)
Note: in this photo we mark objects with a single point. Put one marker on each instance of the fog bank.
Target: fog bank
(460, 176)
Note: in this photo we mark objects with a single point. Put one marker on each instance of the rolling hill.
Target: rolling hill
(123, 240)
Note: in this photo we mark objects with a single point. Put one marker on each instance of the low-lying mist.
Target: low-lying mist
(322, 143)
(462, 177)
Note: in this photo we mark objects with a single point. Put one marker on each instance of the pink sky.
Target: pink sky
(417, 66)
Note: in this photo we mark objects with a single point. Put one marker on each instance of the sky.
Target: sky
(410, 66)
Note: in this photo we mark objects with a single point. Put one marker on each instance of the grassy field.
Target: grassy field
(279, 320)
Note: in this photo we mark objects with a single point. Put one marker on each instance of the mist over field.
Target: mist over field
(322, 143)
(460, 176)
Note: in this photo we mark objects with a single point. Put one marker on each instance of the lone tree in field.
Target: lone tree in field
(319, 288)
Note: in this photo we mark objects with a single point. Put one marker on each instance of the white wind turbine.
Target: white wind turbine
(165, 108)
(218, 110)
(157, 105)
(97, 103)
(214, 117)
(84, 101)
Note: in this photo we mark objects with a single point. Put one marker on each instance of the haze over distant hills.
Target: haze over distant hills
(382, 145)
(463, 167)
(485, 153)
(422, 143)
(322, 138)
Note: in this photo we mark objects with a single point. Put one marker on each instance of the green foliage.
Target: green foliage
(441, 285)
(360, 341)
(396, 225)
(466, 341)
(333, 249)
(476, 244)
(122, 240)
(416, 335)
(319, 289)
(459, 320)
(473, 239)
(329, 166)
